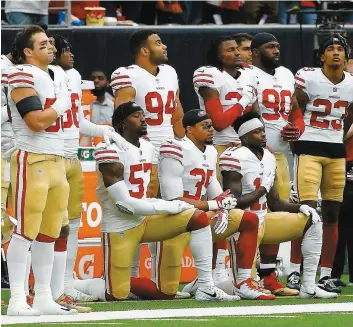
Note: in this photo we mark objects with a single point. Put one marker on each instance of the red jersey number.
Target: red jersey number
(204, 181)
(71, 115)
(271, 99)
(257, 205)
(317, 117)
(154, 105)
(138, 180)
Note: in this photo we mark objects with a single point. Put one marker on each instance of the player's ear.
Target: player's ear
(27, 52)
(144, 51)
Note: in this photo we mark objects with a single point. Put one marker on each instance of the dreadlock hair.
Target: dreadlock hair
(242, 119)
(212, 57)
(334, 38)
(23, 40)
(61, 44)
(117, 123)
(138, 40)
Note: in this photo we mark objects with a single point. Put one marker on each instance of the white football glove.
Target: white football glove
(110, 136)
(223, 201)
(268, 178)
(171, 207)
(248, 96)
(310, 212)
(63, 98)
(221, 221)
(10, 146)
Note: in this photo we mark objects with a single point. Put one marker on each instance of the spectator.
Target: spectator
(255, 10)
(27, 12)
(103, 107)
(221, 12)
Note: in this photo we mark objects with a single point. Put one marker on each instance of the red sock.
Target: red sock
(329, 244)
(296, 251)
(220, 245)
(247, 242)
(147, 290)
(60, 244)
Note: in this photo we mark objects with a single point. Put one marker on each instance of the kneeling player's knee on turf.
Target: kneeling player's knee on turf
(198, 220)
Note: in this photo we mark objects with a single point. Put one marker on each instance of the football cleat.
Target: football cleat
(182, 295)
(318, 294)
(68, 302)
(214, 294)
(327, 284)
(250, 290)
(293, 281)
(46, 306)
(273, 284)
(17, 308)
(191, 288)
(338, 282)
(78, 296)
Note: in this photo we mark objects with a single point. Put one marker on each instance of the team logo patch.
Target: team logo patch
(40, 172)
(202, 113)
(335, 89)
(121, 234)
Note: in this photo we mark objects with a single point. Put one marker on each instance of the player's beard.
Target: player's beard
(99, 91)
(158, 60)
(270, 63)
(209, 142)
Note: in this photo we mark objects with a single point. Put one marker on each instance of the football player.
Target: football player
(244, 46)
(251, 181)
(154, 86)
(324, 95)
(224, 92)
(74, 123)
(275, 98)
(39, 186)
(187, 172)
(130, 218)
(7, 144)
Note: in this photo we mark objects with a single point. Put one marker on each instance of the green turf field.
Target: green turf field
(297, 312)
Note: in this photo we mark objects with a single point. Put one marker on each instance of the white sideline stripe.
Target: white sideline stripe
(193, 312)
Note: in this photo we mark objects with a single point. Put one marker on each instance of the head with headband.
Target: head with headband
(334, 50)
(130, 118)
(251, 130)
(198, 126)
(265, 51)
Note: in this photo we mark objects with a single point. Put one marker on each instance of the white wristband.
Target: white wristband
(212, 205)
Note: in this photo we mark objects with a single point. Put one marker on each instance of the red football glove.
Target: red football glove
(290, 133)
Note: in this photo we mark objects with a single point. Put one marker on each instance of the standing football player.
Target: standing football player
(324, 95)
(251, 181)
(74, 123)
(39, 186)
(275, 98)
(187, 172)
(224, 91)
(244, 46)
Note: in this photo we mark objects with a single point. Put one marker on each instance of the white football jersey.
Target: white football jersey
(245, 162)
(230, 92)
(327, 106)
(6, 128)
(199, 167)
(50, 140)
(70, 118)
(155, 94)
(137, 170)
(275, 94)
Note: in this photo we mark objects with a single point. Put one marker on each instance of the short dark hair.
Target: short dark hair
(61, 44)
(100, 71)
(241, 37)
(242, 119)
(138, 40)
(212, 57)
(23, 40)
(335, 38)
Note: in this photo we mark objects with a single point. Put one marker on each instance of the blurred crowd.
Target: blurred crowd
(177, 12)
